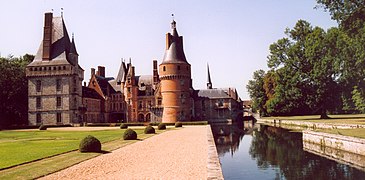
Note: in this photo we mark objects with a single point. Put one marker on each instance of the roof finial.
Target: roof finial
(209, 83)
(73, 36)
(173, 23)
(62, 12)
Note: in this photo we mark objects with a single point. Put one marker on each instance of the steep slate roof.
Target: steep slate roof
(122, 73)
(144, 79)
(90, 93)
(104, 84)
(213, 93)
(60, 48)
(174, 52)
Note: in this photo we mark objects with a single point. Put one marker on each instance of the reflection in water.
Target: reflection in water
(272, 152)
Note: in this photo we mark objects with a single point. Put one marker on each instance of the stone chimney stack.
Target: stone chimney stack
(47, 36)
(155, 73)
(92, 71)
(101, 71)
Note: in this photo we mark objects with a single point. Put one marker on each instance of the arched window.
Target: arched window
(164, 68)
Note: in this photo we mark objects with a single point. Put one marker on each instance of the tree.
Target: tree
(307, 79)
(256, 90)
(14, 90)
(350, 14)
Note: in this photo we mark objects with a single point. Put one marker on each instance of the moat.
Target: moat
(267, 152)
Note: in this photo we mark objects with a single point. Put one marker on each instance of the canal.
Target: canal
(267, 152)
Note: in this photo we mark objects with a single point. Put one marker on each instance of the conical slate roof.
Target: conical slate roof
(174, 47)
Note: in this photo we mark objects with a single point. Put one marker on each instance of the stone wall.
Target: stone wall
(312, 125)
(345, 143)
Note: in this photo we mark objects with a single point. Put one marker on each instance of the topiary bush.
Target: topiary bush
(149, 130)
(90, 144)
(161, 126)
(178, 124)
(42, 127)
(129, 134)
(123, 126)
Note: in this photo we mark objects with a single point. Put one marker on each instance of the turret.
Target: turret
(175, 80)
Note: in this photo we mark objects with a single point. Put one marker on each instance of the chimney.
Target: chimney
(155, 72)
(168, 41)
(47, 36)
(101, 71)
(92, 71)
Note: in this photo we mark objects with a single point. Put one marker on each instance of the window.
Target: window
(59, 101)
(38, 85)
(164, 68)
(178, 68)
(140, 105)
(159, 102)
(39, 118)
(129, 89)
(58, 85)
(38, 103)
(59, 118)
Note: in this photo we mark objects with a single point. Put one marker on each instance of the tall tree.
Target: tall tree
(256, 90)
(13, 90)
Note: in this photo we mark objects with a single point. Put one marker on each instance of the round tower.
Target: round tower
(176, 83)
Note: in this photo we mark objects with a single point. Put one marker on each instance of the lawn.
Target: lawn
(340, 119)
(359, 132)
(18, 147)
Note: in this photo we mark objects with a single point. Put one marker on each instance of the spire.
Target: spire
(209, 83)
(73, 46)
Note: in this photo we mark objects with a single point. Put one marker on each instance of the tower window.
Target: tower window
(58, 84)
(38, 85)
(39, 118)
(59, 102)
(178, 68)
(164, 68)
(38, 102)
(59, 118)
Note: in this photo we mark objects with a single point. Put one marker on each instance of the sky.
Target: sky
(233, 36)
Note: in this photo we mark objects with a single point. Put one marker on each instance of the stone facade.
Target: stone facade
(165, 96)
(54, 78)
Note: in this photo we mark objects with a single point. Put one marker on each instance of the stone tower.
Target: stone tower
(131, 93)
(176, 83)
(55, 77)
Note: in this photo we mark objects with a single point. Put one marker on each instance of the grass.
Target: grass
(339, 119)
(359, 132)
(18, 147)
(62, 145)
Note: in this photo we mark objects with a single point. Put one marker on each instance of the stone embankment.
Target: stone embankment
(310, 125)
(349, 150)
(186, 153)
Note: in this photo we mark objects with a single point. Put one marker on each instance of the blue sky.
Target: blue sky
(232, 36)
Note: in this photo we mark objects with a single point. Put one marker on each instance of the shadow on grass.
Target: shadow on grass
(105, 152)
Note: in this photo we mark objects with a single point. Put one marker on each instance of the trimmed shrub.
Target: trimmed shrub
(178, 124)
(123, 126)
(42, 127)
(90, 144)
(149, 130)
(161, 126)
(130, 134)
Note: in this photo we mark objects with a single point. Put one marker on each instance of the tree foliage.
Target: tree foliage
(312, 71)
(14, 90)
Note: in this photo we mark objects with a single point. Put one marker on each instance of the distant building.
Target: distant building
(165, 96)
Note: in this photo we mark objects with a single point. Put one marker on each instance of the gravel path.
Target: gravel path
(175, 154)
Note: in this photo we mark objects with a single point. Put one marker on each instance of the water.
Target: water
(273, 153)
